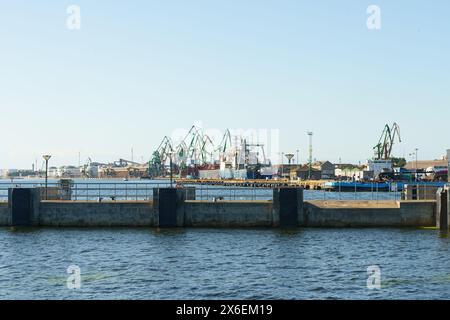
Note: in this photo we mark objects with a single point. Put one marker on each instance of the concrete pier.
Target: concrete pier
(229, 214)
(4, 214)
(287, 207)
(180, 209)
(443, 209)
(165, 205)
(369, 214)
(97, 214)
(24, 206)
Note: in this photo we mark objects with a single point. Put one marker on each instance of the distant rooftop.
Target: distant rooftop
(424, 164)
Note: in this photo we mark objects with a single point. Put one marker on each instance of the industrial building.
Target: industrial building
(427, 164)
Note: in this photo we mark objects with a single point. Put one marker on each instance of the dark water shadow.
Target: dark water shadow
(443, 234)
(288, 232)
(168, 231)
(23, 229)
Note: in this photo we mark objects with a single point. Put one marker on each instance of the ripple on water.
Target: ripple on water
(224, 264)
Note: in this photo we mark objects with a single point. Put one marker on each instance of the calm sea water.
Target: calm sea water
(224, 264)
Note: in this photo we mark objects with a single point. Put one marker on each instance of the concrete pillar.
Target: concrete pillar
(441, 208)
(169, 207)
(189, 193)
(447, 190)
(287, 207)
(300, 209)
(414, 192)
(23, 205)
(448, 165)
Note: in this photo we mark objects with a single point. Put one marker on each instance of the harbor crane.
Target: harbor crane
(164, 148)
(225, 143)
(197, 148)
(85, 170)
(383, 149)
(203, 149)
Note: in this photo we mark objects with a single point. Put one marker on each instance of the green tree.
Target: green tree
(398, 162)
(154, 165)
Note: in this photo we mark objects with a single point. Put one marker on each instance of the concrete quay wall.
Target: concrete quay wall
(228, 214)
(370, 214)
(173, 208)
(96, 214)
(4, 214)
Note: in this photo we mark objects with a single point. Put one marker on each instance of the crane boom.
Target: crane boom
(383, 149)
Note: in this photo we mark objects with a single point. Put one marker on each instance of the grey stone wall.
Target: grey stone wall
(225, 214)
(4, 214)
(418, 213)
(228, 214)
(315, 216)
(96, 214)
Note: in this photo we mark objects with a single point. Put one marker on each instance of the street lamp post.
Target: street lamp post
(46, 158)
(289, 156)
(416, 165)
(310, 134)
(297, 157)
(417, 149)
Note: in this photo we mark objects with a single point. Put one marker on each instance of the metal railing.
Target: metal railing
(420, 191)
(373, 193)
(214, 193)
(143, 191)
(125, 191)
(90, 191)
(219, 193)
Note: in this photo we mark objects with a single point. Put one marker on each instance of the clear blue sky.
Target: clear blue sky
(138, 70)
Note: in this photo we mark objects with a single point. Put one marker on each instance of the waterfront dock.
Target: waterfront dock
(328, 185)
(256, 183)
(178, 207)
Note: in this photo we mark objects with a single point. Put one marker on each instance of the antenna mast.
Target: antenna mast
(310, 134)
